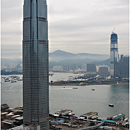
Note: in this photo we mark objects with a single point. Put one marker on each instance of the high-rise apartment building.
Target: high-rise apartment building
(113, 54)
(35, 65)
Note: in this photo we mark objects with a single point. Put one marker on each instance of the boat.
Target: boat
(94, 117)
(65, 112)
(13, 81)
(57, 114)
(93, 89)
(7, 80)
(71, 113)
(20, 80)
(75, 87)
(111, 105)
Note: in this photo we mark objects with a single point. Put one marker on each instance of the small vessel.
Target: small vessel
(20, 80)
(111, 105)
(57, 114)
(75, 87)
(94, 117)
(71, 113)
(13, 81)
(65, 112)
(93, 89)
(7, 80)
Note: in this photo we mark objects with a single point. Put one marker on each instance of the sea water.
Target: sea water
(80, 100)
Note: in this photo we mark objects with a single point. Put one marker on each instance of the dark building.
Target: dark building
(124, 67)
(91, 68)
(103, 71)
(35, 65)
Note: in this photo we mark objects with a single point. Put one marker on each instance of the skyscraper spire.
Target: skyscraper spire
(35, 64)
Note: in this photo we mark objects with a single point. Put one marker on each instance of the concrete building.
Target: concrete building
(91, 68)
(84, 67)
(35, 65)
(103, 70)
(57, 68)
(113, 54)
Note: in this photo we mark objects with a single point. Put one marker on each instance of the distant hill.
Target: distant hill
(60, 55)
(61, 58)
(5, 62)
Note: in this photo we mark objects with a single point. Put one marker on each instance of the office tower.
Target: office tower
(113, 55)
(124, 67)
(103, 71)
(35, 65)
(91, 68)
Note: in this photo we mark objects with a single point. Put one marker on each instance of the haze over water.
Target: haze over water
(81, 100)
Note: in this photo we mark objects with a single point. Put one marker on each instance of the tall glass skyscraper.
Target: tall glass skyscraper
(113, 54)
(35, 64)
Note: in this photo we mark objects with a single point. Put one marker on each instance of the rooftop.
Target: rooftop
(90, 113)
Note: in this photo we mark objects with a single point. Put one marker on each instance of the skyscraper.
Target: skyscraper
(91, 68)
(124, 67)
(113, 54)
(35, 64)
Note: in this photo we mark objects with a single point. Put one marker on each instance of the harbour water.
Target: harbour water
(81, 100)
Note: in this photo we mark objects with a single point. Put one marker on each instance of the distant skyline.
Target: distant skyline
(74, 26)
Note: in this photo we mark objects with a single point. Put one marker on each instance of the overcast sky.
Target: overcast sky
(77, 26)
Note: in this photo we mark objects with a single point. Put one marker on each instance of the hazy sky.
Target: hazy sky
(77, 26)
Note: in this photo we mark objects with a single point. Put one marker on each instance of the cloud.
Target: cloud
(74, 25)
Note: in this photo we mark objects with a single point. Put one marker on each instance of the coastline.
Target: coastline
(66, 83)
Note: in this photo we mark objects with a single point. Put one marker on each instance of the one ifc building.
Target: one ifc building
(113, 55)
(35, 65)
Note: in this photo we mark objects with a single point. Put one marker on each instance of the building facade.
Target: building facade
(91, 68)
(113, 54)
(124, 67)
(103, 71)
(35, 64)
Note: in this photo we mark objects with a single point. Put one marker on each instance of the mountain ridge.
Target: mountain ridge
(65, 52)
(63, 57)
